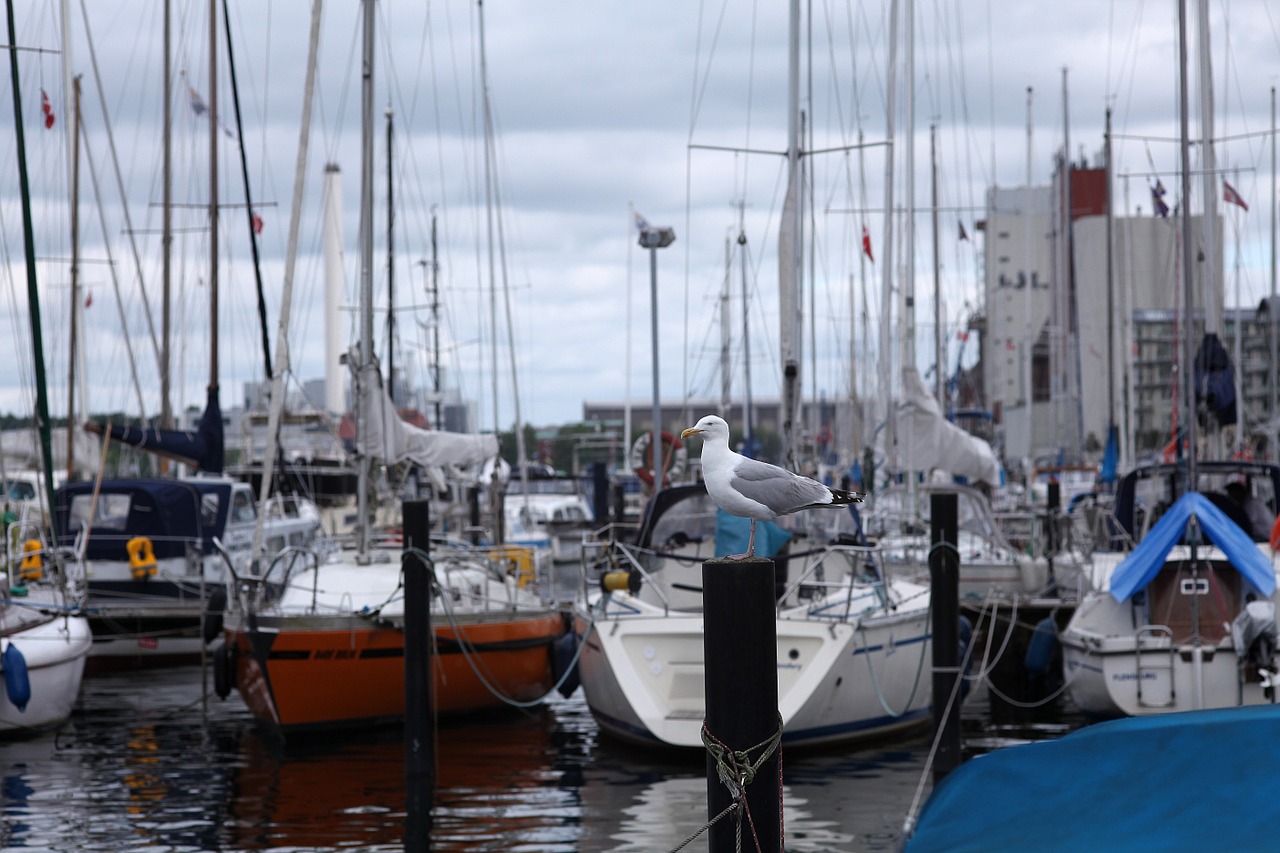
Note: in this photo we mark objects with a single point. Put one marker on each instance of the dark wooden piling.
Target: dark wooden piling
(1054, 504)
(740, 643)
(419, 722)
(944, 579)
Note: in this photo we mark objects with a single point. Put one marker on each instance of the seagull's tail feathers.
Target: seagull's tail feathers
(840, 497)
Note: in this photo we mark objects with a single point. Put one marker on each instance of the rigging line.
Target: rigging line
(124, 204)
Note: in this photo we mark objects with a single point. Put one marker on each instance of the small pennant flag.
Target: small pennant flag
(1229, 194)
(866, 244)
(1157, 200)
(88, 300)
(198, 106)
(257, 224)
(46, 108)
(964, 235)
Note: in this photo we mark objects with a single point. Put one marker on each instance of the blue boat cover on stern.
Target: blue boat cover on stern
(1137, 570)
(1193, 781)
(732, 534)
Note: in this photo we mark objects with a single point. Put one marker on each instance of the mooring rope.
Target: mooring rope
(736, 770)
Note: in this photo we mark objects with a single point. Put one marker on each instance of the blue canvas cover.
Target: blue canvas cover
(1137, 570)
(1193, 781)
(166, 511)
(203, 449)
(733, 533)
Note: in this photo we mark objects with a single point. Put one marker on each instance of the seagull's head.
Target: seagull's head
(709, 428)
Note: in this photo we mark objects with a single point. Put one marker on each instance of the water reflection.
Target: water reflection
(144, 766)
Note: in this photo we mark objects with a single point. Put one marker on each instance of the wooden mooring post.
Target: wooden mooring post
(740, 647)
(944, 581)
(419, 722)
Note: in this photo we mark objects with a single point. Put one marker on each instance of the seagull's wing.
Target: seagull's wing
(777, 488)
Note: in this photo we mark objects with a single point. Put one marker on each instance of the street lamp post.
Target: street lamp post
(654, 238)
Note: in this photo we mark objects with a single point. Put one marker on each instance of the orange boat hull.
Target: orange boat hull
(314, 676)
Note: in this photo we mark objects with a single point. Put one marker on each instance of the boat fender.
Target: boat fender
(213, 610)
(17, 681)
(620, 580)
(224, 667)
(564, 663)
(964, 636)
(1041, 647)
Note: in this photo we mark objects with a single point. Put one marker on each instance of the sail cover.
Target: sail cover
(1137, 570)
(388, 438)
(1100, 788)
(202, 449)
(935, 442)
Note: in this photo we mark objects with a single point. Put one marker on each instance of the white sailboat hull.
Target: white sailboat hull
(55, 650)
(838, 680)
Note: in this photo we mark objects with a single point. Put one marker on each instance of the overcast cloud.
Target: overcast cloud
(595, 107)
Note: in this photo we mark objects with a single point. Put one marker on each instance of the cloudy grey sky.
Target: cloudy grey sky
(599, 109)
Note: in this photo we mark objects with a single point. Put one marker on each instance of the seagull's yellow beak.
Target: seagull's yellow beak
(691, 431)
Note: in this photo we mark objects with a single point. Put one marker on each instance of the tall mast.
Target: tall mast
(1188, 280)
(33, 289)
(166, 237)
(1111, 303)
(391, 263)
(1271, 314)
(886, 253)
(939, 346)
(364, 373)
(789, 254)
(438, 423)
(75, 281)
(1029, 343)
(213, 197)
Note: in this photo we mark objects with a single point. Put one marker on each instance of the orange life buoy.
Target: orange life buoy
(674, 457)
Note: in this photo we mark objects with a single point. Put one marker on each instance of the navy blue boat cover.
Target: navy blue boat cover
(1193, 781)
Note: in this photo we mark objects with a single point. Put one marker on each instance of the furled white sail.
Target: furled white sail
(389, 439)
(935, 442)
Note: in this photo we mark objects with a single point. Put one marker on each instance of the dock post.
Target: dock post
(419, 722)
(1054, 504)
(944, 580)
(740, 654)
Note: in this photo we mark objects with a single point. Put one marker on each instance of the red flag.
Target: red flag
(866, 244)
(46, 108)
(257, 224)
(1229, 194)
(88, 300)
(1009, 344)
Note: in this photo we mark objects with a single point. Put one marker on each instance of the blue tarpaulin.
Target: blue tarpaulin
(1137, 570)
(732, 534)
(1193, 781)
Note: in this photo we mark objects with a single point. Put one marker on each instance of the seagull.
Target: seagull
(749, 488)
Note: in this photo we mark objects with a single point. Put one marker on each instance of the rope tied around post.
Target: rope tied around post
(736, 770)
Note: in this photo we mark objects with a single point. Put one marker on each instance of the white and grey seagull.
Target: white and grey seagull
(749, 488)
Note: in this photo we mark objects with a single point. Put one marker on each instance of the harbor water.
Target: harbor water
(151, 762)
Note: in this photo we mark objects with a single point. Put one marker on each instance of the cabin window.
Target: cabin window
(242, 507)
(112, 511)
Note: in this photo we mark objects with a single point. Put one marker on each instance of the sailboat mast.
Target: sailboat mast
(166, 236)
(1028, 343)
(364, 374)
(33, 289)
(1111, 304)
(1188, 283)
(939, 346)
(886, 253)
(790, 266)
(391, 263)
(1271, 314)
(213, 197)
(75, 280)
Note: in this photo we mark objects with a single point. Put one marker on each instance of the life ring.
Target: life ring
(673, 452)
